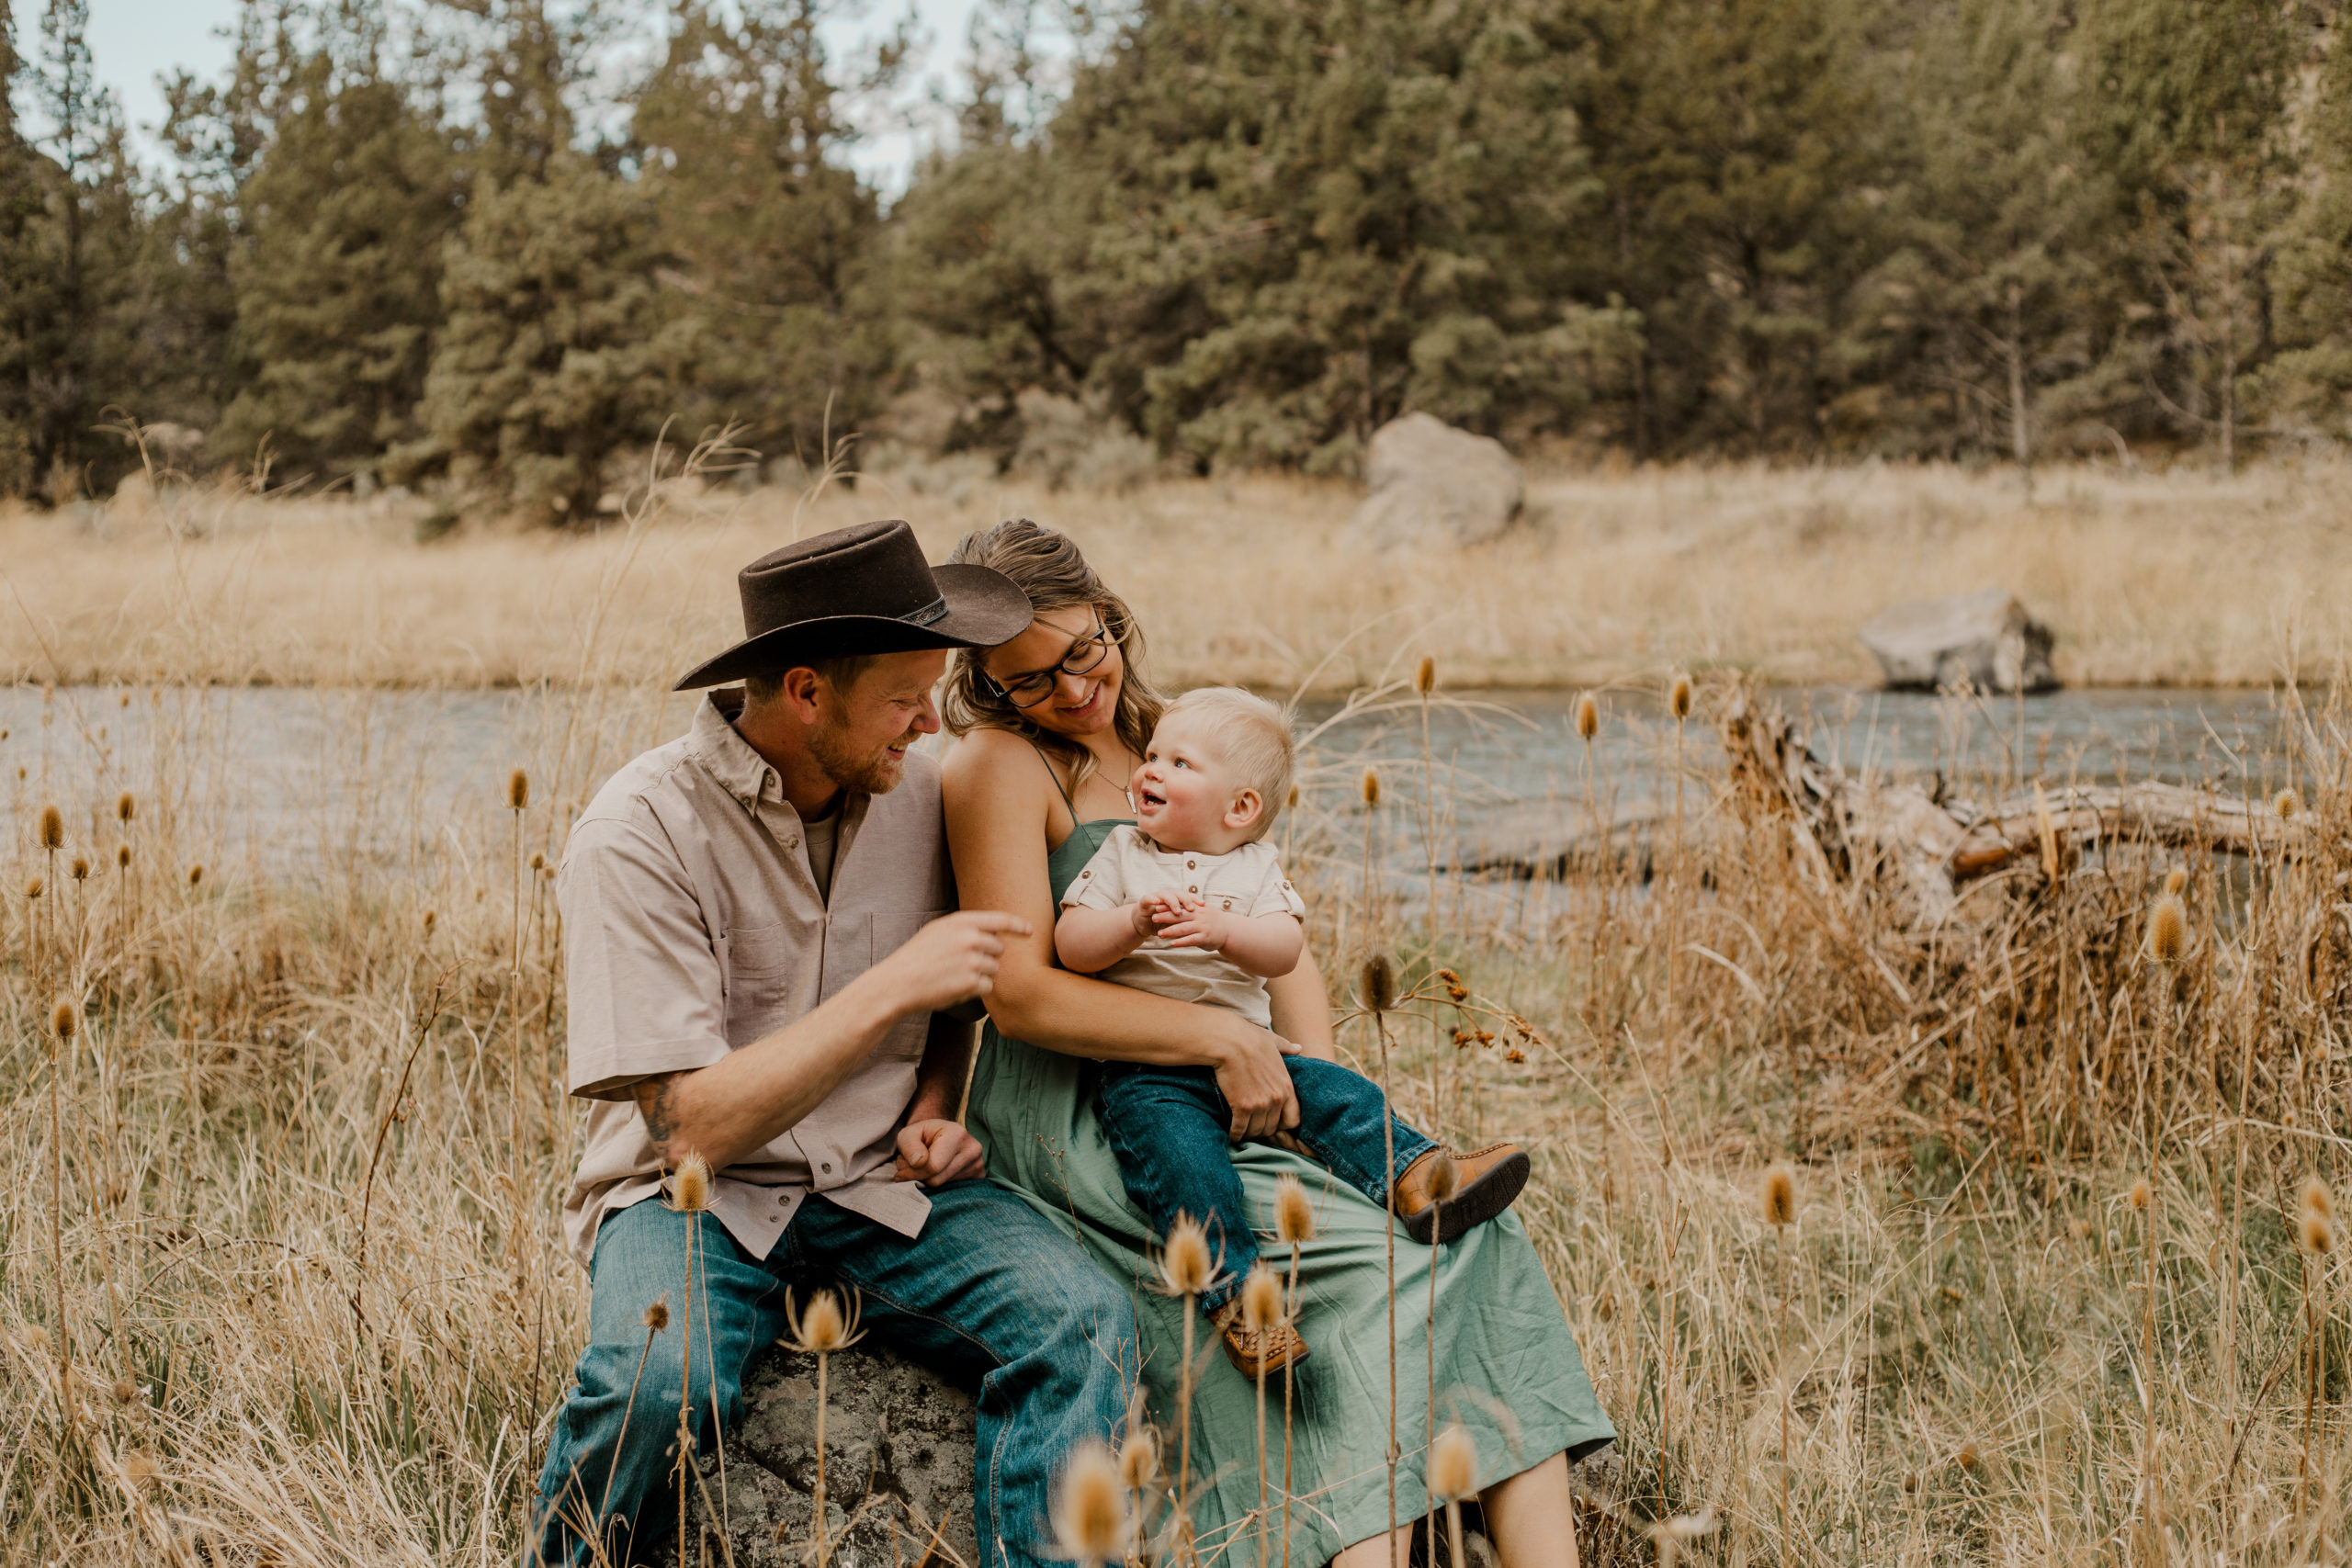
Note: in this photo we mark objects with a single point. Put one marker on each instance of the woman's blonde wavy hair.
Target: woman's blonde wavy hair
(1045, 563)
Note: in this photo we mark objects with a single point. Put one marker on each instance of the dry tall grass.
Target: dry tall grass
(283, 1283)
(2181, 578)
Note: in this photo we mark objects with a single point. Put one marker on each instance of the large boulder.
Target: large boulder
(898, 1466)
(1433, 484)
(1985, 640)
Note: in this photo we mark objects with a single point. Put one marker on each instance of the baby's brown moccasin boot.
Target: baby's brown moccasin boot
(1274, 1350)
(1486, 1181)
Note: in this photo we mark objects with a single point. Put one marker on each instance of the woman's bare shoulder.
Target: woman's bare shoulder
(995, 760)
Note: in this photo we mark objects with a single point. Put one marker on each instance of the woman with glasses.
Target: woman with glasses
(1052, 724)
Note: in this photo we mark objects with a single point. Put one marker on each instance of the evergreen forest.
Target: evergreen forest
(473, 248)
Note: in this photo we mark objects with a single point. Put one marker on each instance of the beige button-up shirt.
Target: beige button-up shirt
(691, 927)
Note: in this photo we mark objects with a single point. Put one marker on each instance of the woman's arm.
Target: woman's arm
(1303, 1009)
(999, 804)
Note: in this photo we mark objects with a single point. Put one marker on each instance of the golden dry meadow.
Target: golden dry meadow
(2180, 579)
(286, 1145)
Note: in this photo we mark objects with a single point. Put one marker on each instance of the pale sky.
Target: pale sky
(133, 41)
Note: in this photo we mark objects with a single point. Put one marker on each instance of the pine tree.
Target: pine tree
(1988, 318)
(554, 352)
(2308, 388)
(73, 270)
(739, 129)
(1744, 149)
(2188, 115)
(336, 285)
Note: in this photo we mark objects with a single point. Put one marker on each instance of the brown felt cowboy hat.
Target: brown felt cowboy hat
(863, 589)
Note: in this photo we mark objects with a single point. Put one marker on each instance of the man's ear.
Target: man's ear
(1247, 808)
(802, 694)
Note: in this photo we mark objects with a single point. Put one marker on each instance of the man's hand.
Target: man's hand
(951, 960)
(1256, 1083)
(938, 1152)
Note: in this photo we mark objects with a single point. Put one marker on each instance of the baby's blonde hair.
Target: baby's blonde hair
(1255, 737)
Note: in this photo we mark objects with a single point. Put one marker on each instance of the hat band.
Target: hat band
(935, 610)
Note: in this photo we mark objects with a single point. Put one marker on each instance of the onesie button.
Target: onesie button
(1194, 888)
(1192, 865)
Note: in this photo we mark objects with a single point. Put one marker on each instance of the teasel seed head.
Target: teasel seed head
(432, 917)
(1294, 1212)
(1425, 675)
(1970, 1457)
(2141, 1193)
(80, 868)
(138, 1469)
(122, 857)
(1185, 1267)
(1588, 716)
(195, 874)
(1453, 1464)
(690, 1188)
(518, 791)
(822, 1327)
(2315, 1233)
(125, 808)
(2286, 803)
(1139, 1459)
(1368, 787)
(1910, 1483)
(2169, 928)
(539, 861)
(65, 1022)
(1445, 1176)
(1261, 1300)
(2175, 881)
(1091, 1523)
(2315, 1198)
(657, 1315)
(126, 1392)
(1780, 1196)
(1377, 982)
(53, 828)
(1291, 802)
(1678, 698)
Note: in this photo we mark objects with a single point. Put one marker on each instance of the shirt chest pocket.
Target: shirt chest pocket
(768, 975)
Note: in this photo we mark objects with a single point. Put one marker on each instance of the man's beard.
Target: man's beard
(874, 772)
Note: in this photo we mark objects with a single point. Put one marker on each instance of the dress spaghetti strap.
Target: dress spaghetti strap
(1068, 804)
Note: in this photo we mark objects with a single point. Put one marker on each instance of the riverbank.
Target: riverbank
(2181, 578)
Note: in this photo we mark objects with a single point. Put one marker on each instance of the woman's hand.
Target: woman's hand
(1255, 1080)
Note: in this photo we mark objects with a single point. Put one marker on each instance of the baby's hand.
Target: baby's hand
(1200, 927)
(1158, 909)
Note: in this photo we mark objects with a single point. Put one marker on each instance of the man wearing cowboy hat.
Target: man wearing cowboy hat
(762, 950)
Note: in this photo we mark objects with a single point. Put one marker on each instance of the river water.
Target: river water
(284, 774)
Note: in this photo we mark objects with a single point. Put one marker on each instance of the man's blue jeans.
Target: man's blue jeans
(1170, 1127)
(990, 1293)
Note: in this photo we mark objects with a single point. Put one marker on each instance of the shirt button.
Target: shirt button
(1192, 865)
(793, 842)
(827, 1168)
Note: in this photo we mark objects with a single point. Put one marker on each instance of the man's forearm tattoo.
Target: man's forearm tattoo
(653, 1104)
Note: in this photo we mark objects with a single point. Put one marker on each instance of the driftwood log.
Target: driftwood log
(1933, 846)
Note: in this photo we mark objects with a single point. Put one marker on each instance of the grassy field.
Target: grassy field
(282, 1283)
(2184, 578)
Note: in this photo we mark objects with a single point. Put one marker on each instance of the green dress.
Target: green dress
(1506, 1367)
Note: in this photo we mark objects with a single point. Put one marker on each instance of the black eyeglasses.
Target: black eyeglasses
(1028, 690)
